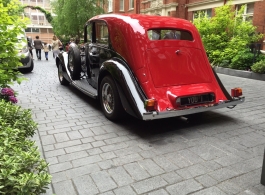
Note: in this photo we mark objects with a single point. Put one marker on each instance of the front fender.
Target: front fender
(131, 95)
(63, 59)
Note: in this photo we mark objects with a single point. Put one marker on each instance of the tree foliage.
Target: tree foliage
(226, 34)
(11, 25)
(72, 15)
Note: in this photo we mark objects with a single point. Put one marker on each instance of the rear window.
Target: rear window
(162, 34)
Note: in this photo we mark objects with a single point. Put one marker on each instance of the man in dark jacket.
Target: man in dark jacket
(38, 46)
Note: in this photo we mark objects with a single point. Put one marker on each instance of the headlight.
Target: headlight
(24, 49)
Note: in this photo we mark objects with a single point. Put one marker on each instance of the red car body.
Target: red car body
(174, 76)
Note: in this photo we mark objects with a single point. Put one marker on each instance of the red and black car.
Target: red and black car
(151, 67)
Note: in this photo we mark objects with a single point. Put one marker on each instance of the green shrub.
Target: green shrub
(242, 61)
(22, 171)
(259, 67)
(17, 118)
(226, 34)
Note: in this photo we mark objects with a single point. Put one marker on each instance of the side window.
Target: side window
(102, 33)
(89, 33)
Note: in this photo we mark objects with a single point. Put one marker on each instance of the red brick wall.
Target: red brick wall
(259, 16)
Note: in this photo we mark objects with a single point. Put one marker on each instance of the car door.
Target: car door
(97, 49)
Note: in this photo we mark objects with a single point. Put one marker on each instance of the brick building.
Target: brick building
(38, 22)
(187, 9)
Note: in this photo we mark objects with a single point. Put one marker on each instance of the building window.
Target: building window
(102, 33)
(131, 4)
(121, 5)
(32, 30)
(248, 11)
(202, 13)
(110, 6)
(28, 30)
(34, 17)
(35, 30)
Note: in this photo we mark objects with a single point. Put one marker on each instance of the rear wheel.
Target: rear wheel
(110, 99)
(74, 62)
(62, 80)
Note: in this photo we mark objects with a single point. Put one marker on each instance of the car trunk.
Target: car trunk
(177, 65)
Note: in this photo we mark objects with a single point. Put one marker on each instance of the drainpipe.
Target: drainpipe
(186, 9)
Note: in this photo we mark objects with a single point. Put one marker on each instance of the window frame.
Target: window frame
(207, 12)
(121, 5)
(131, 4)
(245, 15)
(110, 5)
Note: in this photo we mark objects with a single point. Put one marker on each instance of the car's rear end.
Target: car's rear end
(171, 74)
(181, 77)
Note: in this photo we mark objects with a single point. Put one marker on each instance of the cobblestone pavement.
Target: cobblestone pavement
(218, 152)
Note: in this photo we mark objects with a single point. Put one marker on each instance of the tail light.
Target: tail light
(236, 92)
(150, 104)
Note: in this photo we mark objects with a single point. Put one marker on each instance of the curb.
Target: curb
(239, 73)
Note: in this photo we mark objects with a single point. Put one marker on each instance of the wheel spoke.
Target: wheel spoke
(107, 98)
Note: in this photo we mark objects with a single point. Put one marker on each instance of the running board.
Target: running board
(85, 87)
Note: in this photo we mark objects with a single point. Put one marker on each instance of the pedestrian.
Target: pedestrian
(38, 46)
(30, 46)
(67, 47)
(56, 43)
(46, 50)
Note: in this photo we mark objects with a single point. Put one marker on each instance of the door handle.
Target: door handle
(177, 52)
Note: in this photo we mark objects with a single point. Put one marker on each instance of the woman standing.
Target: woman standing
(56, 43)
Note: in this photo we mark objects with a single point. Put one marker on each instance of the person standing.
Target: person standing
(46, 50)
(38, 46)
(56, 43)
(29, 39)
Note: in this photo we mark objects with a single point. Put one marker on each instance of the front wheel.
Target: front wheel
(110, 99)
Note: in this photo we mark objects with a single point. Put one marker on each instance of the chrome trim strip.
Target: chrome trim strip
(174, 113)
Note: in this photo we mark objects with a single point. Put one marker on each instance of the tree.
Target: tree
(11, 25)
(226, 34)
(72, 15)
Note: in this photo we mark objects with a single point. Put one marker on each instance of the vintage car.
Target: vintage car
(151, 67)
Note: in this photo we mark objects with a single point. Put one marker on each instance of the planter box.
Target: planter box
(240, 73)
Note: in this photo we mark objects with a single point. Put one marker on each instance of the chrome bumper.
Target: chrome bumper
(174, 113)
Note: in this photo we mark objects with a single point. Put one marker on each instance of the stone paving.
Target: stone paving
(218, 152)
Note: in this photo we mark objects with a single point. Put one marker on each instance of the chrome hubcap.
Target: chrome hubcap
(107, 98)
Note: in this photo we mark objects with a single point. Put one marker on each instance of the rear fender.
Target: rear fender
(131, 95)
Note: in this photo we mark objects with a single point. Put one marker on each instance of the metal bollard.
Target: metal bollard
(263, 171)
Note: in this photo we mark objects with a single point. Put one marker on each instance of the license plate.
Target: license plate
(199, 99)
